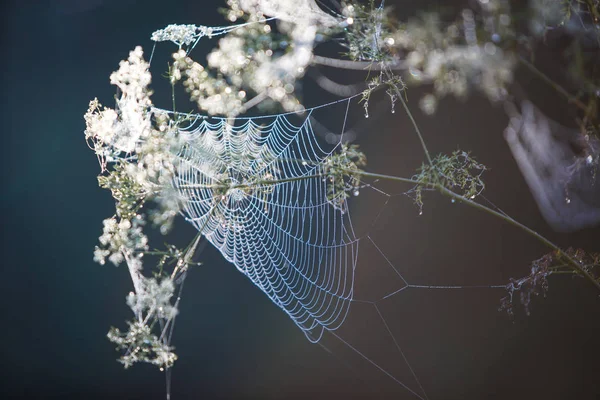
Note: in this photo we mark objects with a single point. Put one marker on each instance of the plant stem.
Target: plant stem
(445, 191)
(412, 119)
(357, 65)
(387, 177)
(570, 260)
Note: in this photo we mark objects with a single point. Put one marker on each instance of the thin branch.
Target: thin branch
(570, 260)
(253, 102)
(358, 65)
(445, 191)
(333, 87)
(414, 123)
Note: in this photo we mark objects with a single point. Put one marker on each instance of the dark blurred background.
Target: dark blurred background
(233, 343)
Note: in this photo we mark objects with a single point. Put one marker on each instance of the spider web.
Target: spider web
(256, 189)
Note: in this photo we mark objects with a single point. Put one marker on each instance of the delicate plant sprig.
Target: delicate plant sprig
(129, 195)
(368, 32)
(385, 78)
(121, 238)
(343, 170)
(152, 306)
(458, 172)
(140, 345)
(536, 282)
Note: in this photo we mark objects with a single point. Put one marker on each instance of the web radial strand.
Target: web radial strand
(254, 188)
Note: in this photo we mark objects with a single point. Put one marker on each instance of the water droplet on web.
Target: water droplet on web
(356, 193)
(568, 200)
(454, 201)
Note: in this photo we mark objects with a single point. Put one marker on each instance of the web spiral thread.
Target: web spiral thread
(256, 189)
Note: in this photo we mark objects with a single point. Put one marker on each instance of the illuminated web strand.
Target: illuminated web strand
(285, 236)
(197, 116)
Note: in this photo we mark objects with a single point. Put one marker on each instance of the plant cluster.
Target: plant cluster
(536, 282)
(457, 172)
(344, 171)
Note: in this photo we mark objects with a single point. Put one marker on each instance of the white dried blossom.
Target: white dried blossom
(454, 59)
(179, 34)
(120, 239)
(153, 298)
(214, 95)
(100, 255)
(141, 345)
(116, 131)
(230, 56)
(262, 69)
(275, 75)
(133, 78)
(100, 124)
